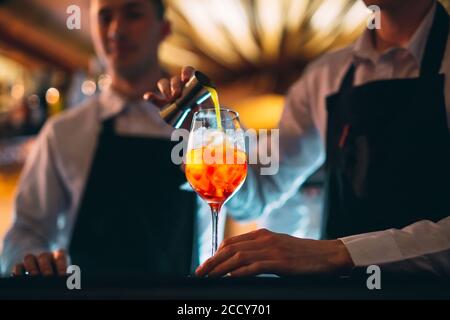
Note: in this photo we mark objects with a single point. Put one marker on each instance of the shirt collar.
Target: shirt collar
(363, 47)
(111, 103)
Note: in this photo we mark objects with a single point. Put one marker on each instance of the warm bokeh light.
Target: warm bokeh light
(267, 107)
(104, 81)
(17, 91)
(8, 184)
(88, 88)
(52, 96)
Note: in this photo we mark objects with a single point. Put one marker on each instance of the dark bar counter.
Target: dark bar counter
(254, 288)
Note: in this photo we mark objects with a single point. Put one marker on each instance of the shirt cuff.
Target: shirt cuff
(374, 248)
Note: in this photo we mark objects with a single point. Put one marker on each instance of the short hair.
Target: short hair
(159, 5)
(160, 8)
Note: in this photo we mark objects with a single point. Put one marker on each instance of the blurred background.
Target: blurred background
(253, 49)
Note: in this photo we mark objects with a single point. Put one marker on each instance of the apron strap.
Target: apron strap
(347, 82)
(108, 127)
(437, 43)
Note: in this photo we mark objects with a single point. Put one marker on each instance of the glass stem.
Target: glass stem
(215, 220)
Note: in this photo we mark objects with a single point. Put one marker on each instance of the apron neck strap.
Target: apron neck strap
(437, 42)
(109, 127)
(347, 82)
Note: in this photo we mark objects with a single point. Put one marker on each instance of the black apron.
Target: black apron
(133, 218)
(388, 148)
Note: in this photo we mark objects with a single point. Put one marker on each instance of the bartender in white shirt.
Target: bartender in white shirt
(377, 113)
(100, 187)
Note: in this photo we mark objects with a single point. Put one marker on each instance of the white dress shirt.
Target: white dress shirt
(425, 245)
(56, 173)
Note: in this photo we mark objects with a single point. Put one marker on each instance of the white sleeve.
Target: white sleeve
(39, 200)
(301, 152)
(421, 247)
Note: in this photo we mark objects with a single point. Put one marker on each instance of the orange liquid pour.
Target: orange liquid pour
(215, 99)
(213, 177)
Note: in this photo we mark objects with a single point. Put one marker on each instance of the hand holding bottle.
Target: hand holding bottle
(170, 89)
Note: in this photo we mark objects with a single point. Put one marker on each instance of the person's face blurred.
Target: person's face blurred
(126, 34)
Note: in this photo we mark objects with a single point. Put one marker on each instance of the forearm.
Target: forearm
(260, 194)
(40, 200)
(420, 247)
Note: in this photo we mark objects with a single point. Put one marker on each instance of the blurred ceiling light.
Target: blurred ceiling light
(17, 91)
(52, 96)
(88, 88)
(355, 16)
(238, 24)
(210, 35)
(327, 15)
(295, 13)
(174, 54)
(229, 38)
(271, 25)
